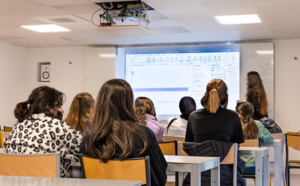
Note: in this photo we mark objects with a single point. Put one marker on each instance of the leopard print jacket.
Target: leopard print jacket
(45, 135)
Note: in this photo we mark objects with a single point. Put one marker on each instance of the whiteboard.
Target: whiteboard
(258, 57)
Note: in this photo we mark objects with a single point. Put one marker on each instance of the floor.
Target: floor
(295, 181)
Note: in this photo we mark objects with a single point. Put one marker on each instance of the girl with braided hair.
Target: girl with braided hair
(252, 129)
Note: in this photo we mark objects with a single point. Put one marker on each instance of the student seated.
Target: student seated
(81, 112)
(145, 112)
(216, 122)
(177, 126)
(117, 133)
(38, 131)
(252, 129)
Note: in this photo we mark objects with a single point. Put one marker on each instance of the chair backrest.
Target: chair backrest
(231, 158)
(130, 169)
(7, 129)
(1, 140)
(168, 147)
(173, 138)
(36, 165)
(293, 140)
(250, 143)
(181, 152)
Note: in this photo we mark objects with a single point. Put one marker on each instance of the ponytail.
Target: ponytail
(213, 101)
(250, 129)
(22, 111)
(245, 111)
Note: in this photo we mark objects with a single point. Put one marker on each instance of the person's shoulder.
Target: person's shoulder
(228, 111)
(259, 124)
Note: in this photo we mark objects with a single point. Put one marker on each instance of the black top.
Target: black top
(252, 98)
(158, 164)
(225, 125)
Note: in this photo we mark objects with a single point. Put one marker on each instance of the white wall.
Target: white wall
(13, 81)
(73, 70)
(67, 70)
(287, 89)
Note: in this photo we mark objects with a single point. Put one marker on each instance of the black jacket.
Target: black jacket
(214, 148)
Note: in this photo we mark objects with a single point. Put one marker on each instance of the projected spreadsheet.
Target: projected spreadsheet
(166, 77)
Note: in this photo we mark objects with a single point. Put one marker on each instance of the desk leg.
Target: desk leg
(266, 170)
(258, 168)
(195, 176)
(215, 176)
(277, 165)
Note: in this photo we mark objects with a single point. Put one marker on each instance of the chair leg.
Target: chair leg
(176, 179)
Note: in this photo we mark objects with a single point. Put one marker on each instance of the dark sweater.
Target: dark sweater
(158, 164)
(225, 125)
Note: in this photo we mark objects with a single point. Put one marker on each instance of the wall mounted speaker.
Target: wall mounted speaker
(45, 72)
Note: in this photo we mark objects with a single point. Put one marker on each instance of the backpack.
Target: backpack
(270, 125)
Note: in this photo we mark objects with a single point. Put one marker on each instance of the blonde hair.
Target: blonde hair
(215, 96)
(80, 116)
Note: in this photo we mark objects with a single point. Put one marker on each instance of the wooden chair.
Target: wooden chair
(250, 143)
(170, 148)
(173, 138)
(7, 129)
(180, 150)
(1, 140)
(36, 165)
(231, 158)
(292, 141)
(130, 169)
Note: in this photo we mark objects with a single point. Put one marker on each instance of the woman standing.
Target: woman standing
(117, 133)
(256, 95)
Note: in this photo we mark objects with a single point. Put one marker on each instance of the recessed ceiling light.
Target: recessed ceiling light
(238, 19)
(46, 28)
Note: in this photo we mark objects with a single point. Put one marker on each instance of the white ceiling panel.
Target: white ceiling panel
(190, 14)
(78, 8)
(37, 11)
(181, 5)
(162, 23)
(278, 7)
(231, 10)
(173, 21)
(63, 2)
(276, 17)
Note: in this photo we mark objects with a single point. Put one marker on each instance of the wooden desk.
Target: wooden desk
(195, 165)
(262, 163)
(41, 181)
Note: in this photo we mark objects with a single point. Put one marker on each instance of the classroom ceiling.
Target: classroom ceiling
(172, 21)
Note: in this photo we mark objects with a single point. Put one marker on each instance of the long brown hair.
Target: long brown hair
(41, 100)
(256, 86)
(245, 111)
(215, 96)
(80, 112)
(143, 106)
(115, 123)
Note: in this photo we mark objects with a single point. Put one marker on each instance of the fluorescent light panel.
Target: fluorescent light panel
(107, 55)
(46, 28)
(264, 52)
(238, 19)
